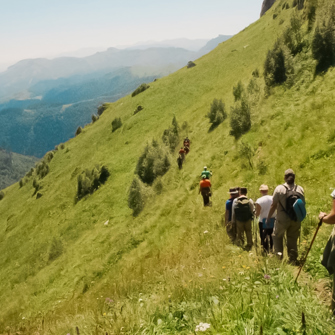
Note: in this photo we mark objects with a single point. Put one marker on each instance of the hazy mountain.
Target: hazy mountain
(213, 43)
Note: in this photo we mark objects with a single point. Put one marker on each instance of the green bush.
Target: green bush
(247, 153)
(138, 109)
(217, 113)
(293, 37)
(238, 91)
(240, 118)
(136, 196)
(152, 163)
(191, 64)
(56, 249)
(42, 169)
(90, 180)
(48, 156)
(2, 195)
(21, 183)
(94, 118)
(323, 44)
(140, 89)
(275, 66)
(101, 109)
(116, 124)
(171, 136)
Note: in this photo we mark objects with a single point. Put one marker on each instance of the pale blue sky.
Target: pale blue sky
(40, 28)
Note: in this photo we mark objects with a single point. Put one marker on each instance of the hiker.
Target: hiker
(230, 226)
(186, 149)
(186, 142)
(242, 215)
(328, 260)
(205, 189)
(208, 174)
(263, 205)
(180, 162)
(287, 222)
(182, 153)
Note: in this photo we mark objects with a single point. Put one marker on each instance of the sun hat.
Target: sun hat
(264, 187)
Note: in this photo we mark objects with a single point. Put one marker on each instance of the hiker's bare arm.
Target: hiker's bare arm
(258, 210)
(271, 212)
(328, 218)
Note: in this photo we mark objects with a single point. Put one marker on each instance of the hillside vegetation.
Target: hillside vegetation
(91, 265)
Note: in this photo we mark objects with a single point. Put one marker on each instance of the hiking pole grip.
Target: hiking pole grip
(310, 247)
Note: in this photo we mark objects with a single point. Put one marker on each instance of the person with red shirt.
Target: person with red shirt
(205, 189)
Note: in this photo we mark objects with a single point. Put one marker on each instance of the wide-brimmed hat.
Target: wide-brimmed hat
(264, 188)
(233, 191)
(289, 171)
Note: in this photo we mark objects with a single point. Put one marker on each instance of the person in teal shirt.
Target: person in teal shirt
(206, 173)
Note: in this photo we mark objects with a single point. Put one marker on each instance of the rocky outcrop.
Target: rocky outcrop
(267, 4)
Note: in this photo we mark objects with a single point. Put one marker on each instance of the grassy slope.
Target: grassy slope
(163, 256)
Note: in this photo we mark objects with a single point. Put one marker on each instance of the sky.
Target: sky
(46, 28)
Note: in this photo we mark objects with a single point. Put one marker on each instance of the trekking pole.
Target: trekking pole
(310, 247)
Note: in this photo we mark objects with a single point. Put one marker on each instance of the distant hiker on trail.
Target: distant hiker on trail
(263, 205)
(182, 153)
(242, 214)
(180, 162)
(208, 174)
(205, 189)
(328, 260)
(287, 222)
(186, 149)
(230, 226)
(186, 142)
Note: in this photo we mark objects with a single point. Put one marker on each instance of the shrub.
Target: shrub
(21, 183)
(171, 136)
(94, 118)
(79, 131)
(191, 64)
(140, 89)
(101, 109)
(311, 13)
(323, 45)
(136, 198)
(62, 146)
(240, 118)
(48, 156)
(255, 73)
(42, 169)
(253, 87)
(275, 66)
(293, 37)
(238, 91)
(152, 163)
(116, 124)
(138, 109)
(30, 173)
(217, 113)
(246, 152)
(90, 180)
(2, 195)
(56, 249)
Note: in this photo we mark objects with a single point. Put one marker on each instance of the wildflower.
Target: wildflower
(200, 274)
(267, 277)
(23, 318)
(202, 327)
(277, 296)
(248, 267)
(279, 253)
(109, 300)
(243, 266)
(106, 223)
(104, 314)
(223, 267)
(140, 300)
(206, 232)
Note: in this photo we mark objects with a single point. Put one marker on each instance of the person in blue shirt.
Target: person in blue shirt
(230, 227)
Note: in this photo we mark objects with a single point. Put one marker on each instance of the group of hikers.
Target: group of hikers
(184, 150)
(279, 216)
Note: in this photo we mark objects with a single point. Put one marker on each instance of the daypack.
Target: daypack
(291, 198)
(242, 209)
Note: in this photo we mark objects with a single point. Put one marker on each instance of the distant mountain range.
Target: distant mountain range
(42, 101)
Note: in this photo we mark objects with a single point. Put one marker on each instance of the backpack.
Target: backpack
(242, 209)
(291, 198)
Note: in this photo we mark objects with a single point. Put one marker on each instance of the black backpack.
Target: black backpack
(291, 197)
(242, 209)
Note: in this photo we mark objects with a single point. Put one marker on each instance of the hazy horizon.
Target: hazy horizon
(37, 29)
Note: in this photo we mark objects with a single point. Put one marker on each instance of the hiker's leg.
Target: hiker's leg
(240, 233)
(260, 226)
(278, 235)
(270, 232)
(248, 232)
(293, 232)
(231, 231)
(265, 242)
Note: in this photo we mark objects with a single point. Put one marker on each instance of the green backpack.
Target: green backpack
(242, 209)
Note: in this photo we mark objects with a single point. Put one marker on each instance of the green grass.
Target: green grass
(59, 262)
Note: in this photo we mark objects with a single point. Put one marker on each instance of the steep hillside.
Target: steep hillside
(90, 264)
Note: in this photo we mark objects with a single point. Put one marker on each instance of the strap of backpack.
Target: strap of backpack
(281, 203)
